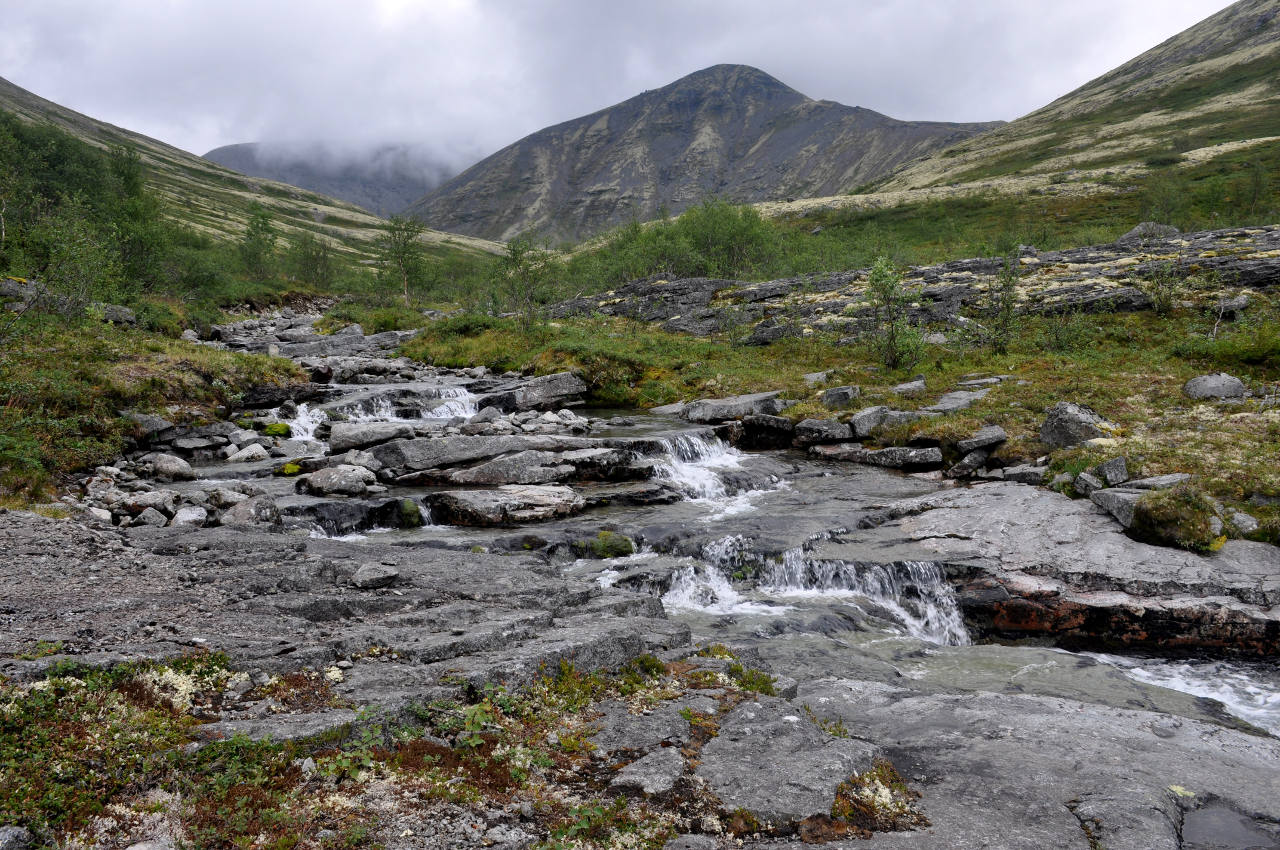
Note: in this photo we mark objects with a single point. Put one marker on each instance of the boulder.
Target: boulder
(914, 387)
(990, 435)
(544, 393)
(373, 576)
(1026, 474)
(956, 400)
(813, 431)
(1148, 230)
(1158, 482)
(1120, 503)
(148, 425)
(894, 457)
(762, 431)
(164, 501)
(506, 505)
(250, 454)
(735, 407)
(344, 436)
(1069, 424)
(655, 773)
(1113, 472)
(16, 838)
(969, 464)
(190, 515)
(151, 517)
(838, 397)
(867, 420)
(341, 480)
(1087, 483)
(1218, 385)
(166, 468)
(255, 512)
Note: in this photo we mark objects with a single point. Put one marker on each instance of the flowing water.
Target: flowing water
(735, 560)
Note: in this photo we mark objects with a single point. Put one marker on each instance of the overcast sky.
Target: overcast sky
(467, 77)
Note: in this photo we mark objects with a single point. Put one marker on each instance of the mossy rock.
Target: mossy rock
(1183, 517)
(289, 469)
(606, 544)
(277, 429)
(410, 514)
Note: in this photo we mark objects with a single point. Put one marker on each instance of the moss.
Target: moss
(750, 679)
(289, 469)
(278, 429)
(609, 544)
(878, 800)
(1182, 516)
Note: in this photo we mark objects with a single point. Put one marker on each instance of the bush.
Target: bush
(897, 344)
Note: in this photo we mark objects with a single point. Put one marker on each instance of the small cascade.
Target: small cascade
(706, 588)
(455, 401)
(914, 592)
(691, 461)
(303, 424)
(378, 409)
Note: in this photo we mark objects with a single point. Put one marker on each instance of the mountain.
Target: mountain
(384, 180)
(213, 199)
(1217, 82)
(729, 130)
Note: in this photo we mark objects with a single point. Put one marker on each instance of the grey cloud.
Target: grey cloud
(461, 79)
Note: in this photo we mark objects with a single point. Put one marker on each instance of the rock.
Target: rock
(148, 425)
(762, 431)
(254, 512)
(1113, 472)
(867, 420)
(1244, 523)
(985, 437)
(894, 418)
(956, 400)
(772, 762)
(166, 468)
(1158, 482)
(373, 576)
(814, 378)
(506, 505)
(812, 431)
(151, 517)
(1149, 230)
(894, 457)
(342, 480)
(1026, 474)
(1120, 503)
(162, 501)
(486, 414)
(1218, 385)
(117, 314)
(655, 773)
(1232, 308)
(735, 407)
(914, 387)
(969, 464)
(358, 435)
(1086, 484)
(250, 454)
(190, 515)
(692, 842)
(544, 393)
(15, 838)
(838, 397)
(1069, 424)
(935, 339)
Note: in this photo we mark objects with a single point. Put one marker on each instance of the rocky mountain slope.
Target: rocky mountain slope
(211, 198)
(729, 130)
(383, 180)
(1218, 81)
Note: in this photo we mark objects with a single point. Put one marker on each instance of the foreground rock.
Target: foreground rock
(509, 504)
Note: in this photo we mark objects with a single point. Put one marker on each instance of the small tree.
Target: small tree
(311, 260)
(897, 343)
(258, 243)
(400, 256)
(526, 271)
(1001, 306)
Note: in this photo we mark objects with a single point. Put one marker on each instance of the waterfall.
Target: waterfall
(915, 592)
(456, 401)
(303, 424)
(690, 461)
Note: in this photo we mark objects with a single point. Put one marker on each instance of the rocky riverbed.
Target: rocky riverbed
(412, 534)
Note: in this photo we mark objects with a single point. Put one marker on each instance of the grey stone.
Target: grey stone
(814, 378)
(191, 515)
(151, 517)
(771, 761)
(1243, 522)
(1087, 483)
(655, 773)
(837, 397)
(167, 467)
(163, 501)
(1120, 503)
(1158, 482)
(15, 838)
(359, 435)
(894, 418)
(1149, 230)
(1231, 308)
(894, 457)
(969, 464)
(148, 425)
(1219, 385)
(914, 387)
(956, 400)
(542, 393)
(692, 842)
(254, 512)
(1069, 424)
(487, 414)
(506, 505)
(343, 480)
(250, 454)
(809, 432)
(372, 576)
(1113, 472)
(984, 437)
(867, 420)
(734, 407)
(1026, 474)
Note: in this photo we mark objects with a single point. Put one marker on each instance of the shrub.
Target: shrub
(897, 344)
